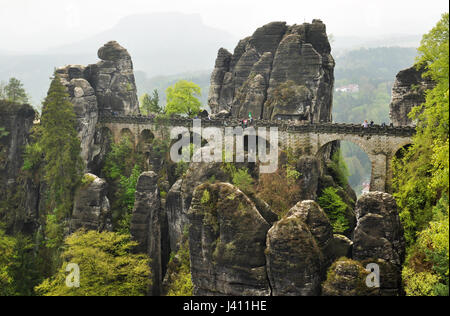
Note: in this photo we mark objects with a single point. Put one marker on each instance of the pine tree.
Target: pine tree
(60, 145)
(15, 92)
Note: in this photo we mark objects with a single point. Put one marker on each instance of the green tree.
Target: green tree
(179, 281)
(60, 145)
(335, 208)
(108, 267)
(182, 98)
(421, 176)
(6, 261)
(150, 104)
(123, 165)
(14, 91)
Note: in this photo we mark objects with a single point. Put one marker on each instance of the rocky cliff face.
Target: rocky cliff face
(16, 121)
(107, 86)
(227, 239)
(408, 91)
(228, 236)
(149, 227)
(280, 71)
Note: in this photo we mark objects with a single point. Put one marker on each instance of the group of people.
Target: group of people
(247, 122)
(366, 124)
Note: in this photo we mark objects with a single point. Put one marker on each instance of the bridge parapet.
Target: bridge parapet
(288, 126)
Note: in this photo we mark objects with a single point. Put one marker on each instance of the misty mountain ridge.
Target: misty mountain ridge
(171, 45)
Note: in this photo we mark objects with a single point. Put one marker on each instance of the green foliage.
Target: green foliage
(421, 173)
(52, 160)
(339, 169)
(13, 91)
(243, 180)
(87, 180)
(125, 197)
(107, 267)
(123, 165)
(427, 269)
(61, 149)
(335, 209)
(3, 132)
(6, 261)
(182, 99)
(179, 270)
(150, 104)
(18, 273)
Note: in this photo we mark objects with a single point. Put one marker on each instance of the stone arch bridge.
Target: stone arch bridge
(380, 143)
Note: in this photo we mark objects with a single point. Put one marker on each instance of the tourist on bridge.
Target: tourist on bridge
(365, 124)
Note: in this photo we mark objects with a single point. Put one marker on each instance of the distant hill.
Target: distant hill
(159, 44)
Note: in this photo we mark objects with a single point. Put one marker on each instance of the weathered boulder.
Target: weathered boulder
(338, 246)
(91, 209)
(310, 213)
(280, 71)
(294, 259)
(149, 227)
(379, 232)
(113, 80)
(408, 91)
(347, 277)
(227, 237)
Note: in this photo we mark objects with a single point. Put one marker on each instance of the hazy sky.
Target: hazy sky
(33, 25)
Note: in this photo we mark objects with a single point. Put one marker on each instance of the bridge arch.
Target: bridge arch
(146, 136)
(126, 133)
(358, 162)
(378, 151)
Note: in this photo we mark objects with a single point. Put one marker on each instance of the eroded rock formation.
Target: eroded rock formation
(408, 91)
(149, 227)
(107, 86)
(280, 71)
(16, 121)
(91, 209)
(378, 233)
(227, 238)
(294, 258)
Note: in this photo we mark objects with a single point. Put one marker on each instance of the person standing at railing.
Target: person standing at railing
(365, 124)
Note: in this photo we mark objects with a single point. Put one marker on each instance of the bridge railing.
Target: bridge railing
(283, 125)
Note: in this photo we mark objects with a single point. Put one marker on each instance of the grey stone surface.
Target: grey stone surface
(378, 233)
(294, 259)
(408, 91)
(278, 71)
(149, 227)
(227, 237)
(91, 208)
